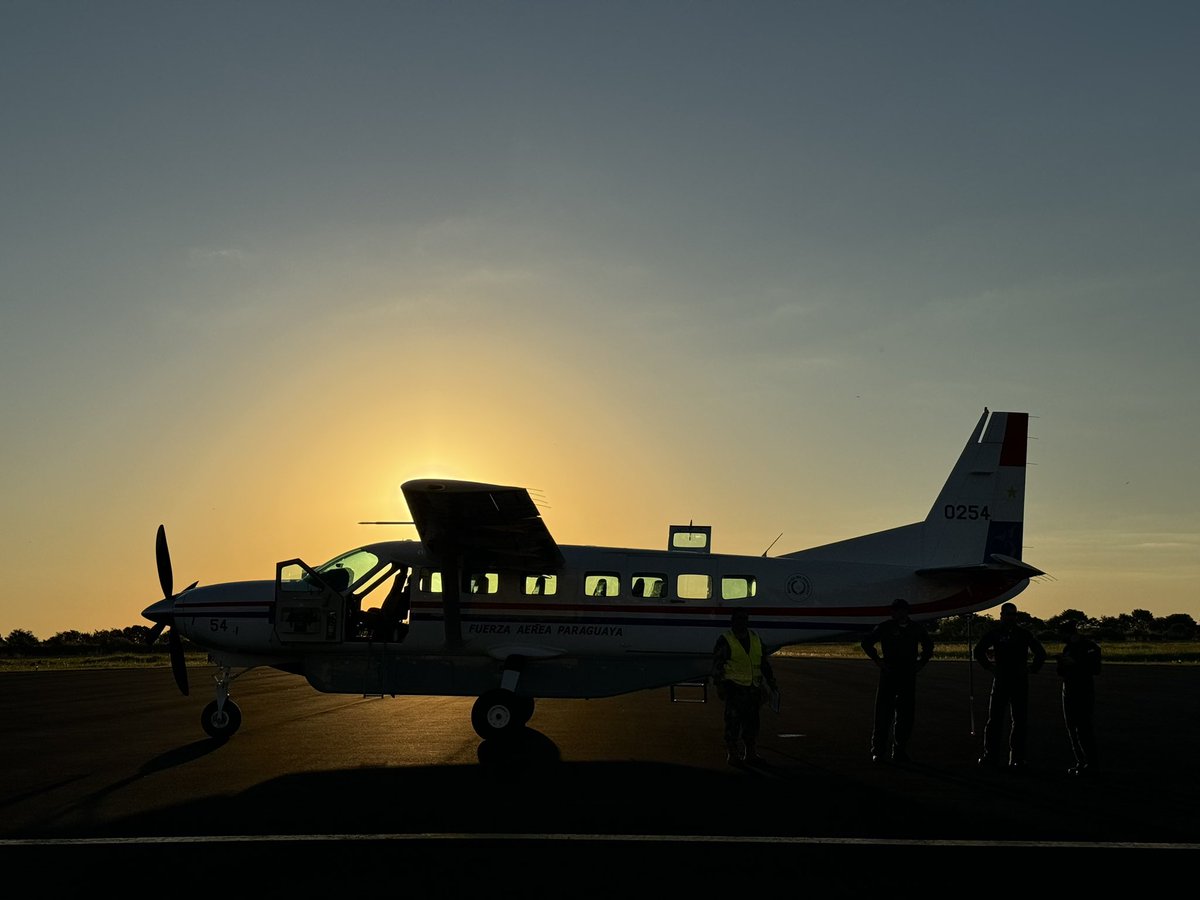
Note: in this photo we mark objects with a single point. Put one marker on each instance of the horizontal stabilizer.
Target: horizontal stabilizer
(1000, 563)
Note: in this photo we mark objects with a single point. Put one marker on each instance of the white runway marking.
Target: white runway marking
(611, 838)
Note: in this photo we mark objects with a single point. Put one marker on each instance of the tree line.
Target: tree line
(134, 639)
(1139, 625)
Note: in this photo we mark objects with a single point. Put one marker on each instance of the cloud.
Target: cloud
(201, 255)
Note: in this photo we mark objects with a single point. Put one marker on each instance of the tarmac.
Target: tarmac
(112, 765)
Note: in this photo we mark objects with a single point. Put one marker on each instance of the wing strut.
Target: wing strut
(451, 592)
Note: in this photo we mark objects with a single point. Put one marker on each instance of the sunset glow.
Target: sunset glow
(759, 269)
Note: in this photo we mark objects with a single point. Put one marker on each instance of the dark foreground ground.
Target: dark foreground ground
(109, 768)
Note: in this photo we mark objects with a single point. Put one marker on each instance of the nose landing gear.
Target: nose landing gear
(222, 717)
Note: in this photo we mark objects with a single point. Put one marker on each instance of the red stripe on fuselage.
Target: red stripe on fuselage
(968, 596)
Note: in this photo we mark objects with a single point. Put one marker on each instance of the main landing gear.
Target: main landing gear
(500, 713)
(503, 712)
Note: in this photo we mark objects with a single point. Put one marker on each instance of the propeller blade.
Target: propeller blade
(155, 632)
(178, 665)
(165, 578)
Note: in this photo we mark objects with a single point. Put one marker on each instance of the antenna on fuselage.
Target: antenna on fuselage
(772, 544)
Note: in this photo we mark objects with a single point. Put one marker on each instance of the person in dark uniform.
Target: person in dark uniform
(742, 676)
(906, 647)
(1078, 664)
(1012, 653)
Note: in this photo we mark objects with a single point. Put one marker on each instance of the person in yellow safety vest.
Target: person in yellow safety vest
(742, 676)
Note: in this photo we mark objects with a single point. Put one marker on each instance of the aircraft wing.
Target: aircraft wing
(480, 525)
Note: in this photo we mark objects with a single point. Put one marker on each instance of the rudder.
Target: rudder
(980, 511)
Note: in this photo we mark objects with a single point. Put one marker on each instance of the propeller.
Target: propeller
(162, 613)
(163, 557)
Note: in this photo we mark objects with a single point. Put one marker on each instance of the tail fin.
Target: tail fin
(978, 518)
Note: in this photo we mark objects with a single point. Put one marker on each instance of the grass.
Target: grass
(1178, 652)
(101, 661)
(1114, 652)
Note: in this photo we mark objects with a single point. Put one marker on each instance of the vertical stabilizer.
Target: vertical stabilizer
(981, 509)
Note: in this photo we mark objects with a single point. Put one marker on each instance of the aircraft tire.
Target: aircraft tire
(221, 725)
(524, 709)
(497, 714)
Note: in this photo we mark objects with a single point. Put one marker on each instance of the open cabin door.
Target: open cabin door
(308, 608)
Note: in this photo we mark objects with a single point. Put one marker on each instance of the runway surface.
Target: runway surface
(115, 762)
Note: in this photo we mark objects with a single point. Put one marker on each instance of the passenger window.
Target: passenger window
(431, 582)
(601, 584)
(694, 587)
(482, 583)
(541, 585)
(648, 585)
(738, 587)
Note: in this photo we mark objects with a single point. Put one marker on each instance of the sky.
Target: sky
(759, 266)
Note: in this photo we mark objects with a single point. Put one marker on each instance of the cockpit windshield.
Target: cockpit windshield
(356, 564)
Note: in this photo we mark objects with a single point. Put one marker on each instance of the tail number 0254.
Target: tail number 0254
(962, 511)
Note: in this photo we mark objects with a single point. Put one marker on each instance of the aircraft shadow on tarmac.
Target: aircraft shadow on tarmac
(522, 786)
(181, 756)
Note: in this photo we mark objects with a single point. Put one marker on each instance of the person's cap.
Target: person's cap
(899, 603)
(740, 614)
(1008, 608)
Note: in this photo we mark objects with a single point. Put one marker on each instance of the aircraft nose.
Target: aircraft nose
(161, 612)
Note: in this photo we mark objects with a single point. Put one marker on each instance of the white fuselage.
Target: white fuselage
(575, 628)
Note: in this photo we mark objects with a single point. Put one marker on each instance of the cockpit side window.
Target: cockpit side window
(373, 579)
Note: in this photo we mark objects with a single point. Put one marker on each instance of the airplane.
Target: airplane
(487, 604)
